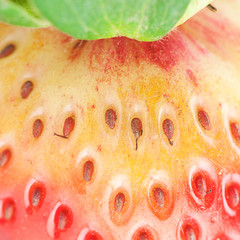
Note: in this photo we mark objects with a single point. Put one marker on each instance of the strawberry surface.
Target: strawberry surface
(122, 140)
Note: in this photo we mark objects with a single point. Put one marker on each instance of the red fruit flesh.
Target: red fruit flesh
(122, 140)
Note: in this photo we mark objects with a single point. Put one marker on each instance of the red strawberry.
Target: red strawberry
(122, 140)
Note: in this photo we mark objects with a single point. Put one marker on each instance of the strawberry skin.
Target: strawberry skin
(122, 140)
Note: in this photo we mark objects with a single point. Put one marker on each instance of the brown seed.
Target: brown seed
(168, 128)
(68, 126)
(63, 218)
(5, 156)
(158, 196)
(233, 195)
(38, 196)
(119, 202)
(9, 209)
(189, 233)
(88, 170)
(136, 126)
(201, 186)
(7, 51)
(137, 129)
(235, 130)
(62, 221)
(204, 119)
(110, 118)
(26, 89)
(37, 128)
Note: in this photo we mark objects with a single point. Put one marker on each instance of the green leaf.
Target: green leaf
(193, 7)
(145, 20)
(21, 13)
(90, 19)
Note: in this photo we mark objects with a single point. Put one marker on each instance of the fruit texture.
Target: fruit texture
(122, 140)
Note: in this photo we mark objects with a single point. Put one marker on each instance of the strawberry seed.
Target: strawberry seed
(235, 130)
(160, 200)
(158, 196)
(8, 209)
(168, 129)
(137, 129)
(204, 120)
(26, 89)
(5, 157)
(119, 202)
(7, 51)
(202, 189)
(189, 233)
(37, 194)
(233, 195)
(189, 230)
(111, 118)
(63, 219)
(143, 233)
(136, 126)
(68, 126)
(37, 128)
(88, 170)
(200, 186)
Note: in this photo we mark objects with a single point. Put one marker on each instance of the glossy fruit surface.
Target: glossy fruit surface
(122, 140)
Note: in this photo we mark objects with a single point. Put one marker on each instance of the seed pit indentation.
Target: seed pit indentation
(26, 89)
(119, 202)
(189, 233)
(204, 119)
(68, 127)
(111, 118)
(63, 218)
(7, 50)
(120, 205)
(202, 189)
(190, 230)
(59, 220)
(93, 235)
(143, 236)
(160, 200)
(88, 169)
(9, 209)
(143, 233)
(37, 194)
(232, 195)
(235, 131)
(5, 157)
(37, 128)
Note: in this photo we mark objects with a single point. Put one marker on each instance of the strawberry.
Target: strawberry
(122, 140)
